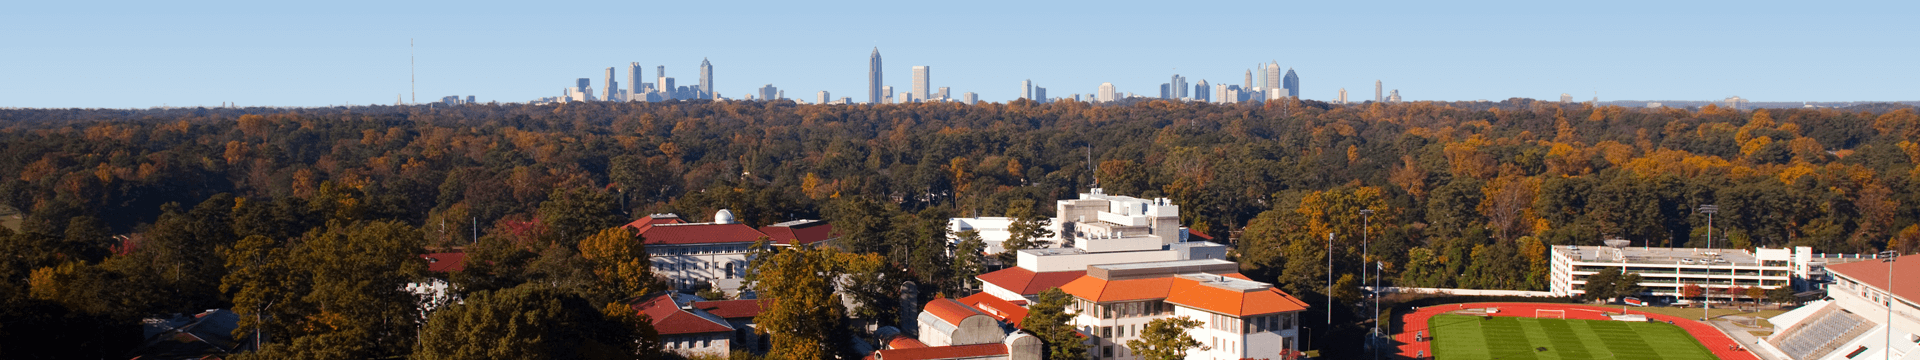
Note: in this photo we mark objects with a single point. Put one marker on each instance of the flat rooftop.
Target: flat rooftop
(1662, 256)
(1228, 283)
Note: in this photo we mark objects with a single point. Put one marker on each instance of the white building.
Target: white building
(1664, 272)
(693, 255)
(1853, 323)
(1099, 229)
(951, 330)
(1240, 318)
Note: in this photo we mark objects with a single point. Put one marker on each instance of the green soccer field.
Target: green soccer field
(1457, 337)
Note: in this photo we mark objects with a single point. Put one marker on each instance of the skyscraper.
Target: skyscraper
(943, 94)
(873, 78)
(1273, 77)
(970, 98)
(706, 79)
(1224, 95)
(612, 90)
(1040, 94)
(1107, 93)
(1201, 92)
(920, 82)
(1026, 89)
(1343, 97)
(636, 87)
(1292, 83)
(661, 82)
(886, 93)
(1376, 92)
(824, 97)
(1249, 83)
(769, 93)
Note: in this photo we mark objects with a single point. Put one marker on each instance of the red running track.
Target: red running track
(1413, 323)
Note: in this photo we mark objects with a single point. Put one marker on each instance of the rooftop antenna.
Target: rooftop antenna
(412, 88)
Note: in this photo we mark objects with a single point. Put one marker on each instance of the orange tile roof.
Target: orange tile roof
(1190, 293)
(994, 306)
(951, 311)
(732, 309)
(902, 342)
(669, 319)
(1874, 273)
(446, 262)
(1027, 282)
(943, 352)
(1187, 293)
(802, 231)
(650, 220)
(1101, 290)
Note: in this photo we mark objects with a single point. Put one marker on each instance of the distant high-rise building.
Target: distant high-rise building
(666, 85)
(660, 80)
(1040, 94)
(706, 79)
(970, 98)
(824, 97)
(1566, 98)
(769, 93)
(921, 78)
(1176, 88)
(612, 90)
(944, 95)
(1026, 89)
(1394, 97)
(1343, 97)
(636, 84)
(1164, 90)
(780, 95)
(1106, 94)
(1273, 77)
(1201, 92)
(1376, 92)
(469, 99)
(873, 78)
(1291, 83)
(1249, 83)
(887, 94)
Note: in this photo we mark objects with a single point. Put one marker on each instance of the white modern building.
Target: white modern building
(1240, 318)
(1095, 229)
(1863, 317)
(1664, 272)
(992, 230)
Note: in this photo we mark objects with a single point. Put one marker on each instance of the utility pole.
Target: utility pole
(1887, 257)
(1329, 280)
(1707, 292)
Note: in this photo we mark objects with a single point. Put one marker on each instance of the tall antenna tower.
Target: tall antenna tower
(412, 88)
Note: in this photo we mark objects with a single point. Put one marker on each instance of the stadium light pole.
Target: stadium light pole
(1707, 292)
(1887, 257)
(1366, 215)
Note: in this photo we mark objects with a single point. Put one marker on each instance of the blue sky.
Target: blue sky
(140, 54)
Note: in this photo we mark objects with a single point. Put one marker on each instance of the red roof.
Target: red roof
(803, 231)
(943, 352)
(701, 233)
(1200, 235)
(1186, 292)
(1027, 282)
(1874, 273)
(999, 309)
(730, 309)
(1192, 294)
(446, 262)
(669, 319)
(902, 342)
(651, 220)
(951, 311)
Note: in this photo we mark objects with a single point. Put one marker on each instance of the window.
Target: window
(1106, 332)
(1106, 351)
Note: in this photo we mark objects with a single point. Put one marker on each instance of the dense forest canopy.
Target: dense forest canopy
(1464, 194)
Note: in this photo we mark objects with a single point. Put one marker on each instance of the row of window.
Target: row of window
(702, 250)
(1123, 309)
(689, 342)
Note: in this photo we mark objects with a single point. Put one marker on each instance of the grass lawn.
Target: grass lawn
(1458, 337)
(10, 218)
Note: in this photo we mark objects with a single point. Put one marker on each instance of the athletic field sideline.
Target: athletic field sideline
(1461, 337)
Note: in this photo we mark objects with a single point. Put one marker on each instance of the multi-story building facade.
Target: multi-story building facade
(922, 78)
(1240, 318)
(874, 96)
(1665, 272)
(695, 255)
(693, 326)
(1094, 229)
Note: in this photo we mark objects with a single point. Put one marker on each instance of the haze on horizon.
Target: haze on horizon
(116, 54)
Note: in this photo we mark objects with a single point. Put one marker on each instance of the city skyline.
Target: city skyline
(189, 55)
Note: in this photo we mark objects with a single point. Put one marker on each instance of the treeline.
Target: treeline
(1464, 194)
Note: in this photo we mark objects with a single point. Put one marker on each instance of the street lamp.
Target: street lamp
(1365, 216)
(1887, 257)
(1707, 293)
